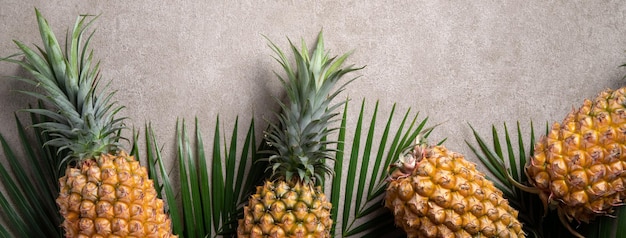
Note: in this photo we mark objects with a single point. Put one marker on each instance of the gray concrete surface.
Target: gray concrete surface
(477, 62)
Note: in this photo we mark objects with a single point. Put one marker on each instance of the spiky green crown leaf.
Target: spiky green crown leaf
(84, 117)
(304, 123)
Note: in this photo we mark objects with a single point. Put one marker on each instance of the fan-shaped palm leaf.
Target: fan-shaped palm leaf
(508, 169)
(30, 182)
(211, 202)
(367, 217)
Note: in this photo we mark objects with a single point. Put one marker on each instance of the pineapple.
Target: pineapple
(433, 192)
(290, 205)
(105, 192)
(579, 165)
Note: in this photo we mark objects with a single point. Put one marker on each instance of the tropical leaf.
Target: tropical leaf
(508, 169)
(500, 167)
(366, 216)
(211, 202)
(30, 182)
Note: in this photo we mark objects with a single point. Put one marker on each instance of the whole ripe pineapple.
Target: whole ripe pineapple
(105, 192)
(291, 205)
(434, 192)
(579, 165)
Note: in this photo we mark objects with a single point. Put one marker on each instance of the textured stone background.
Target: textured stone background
(477, 62)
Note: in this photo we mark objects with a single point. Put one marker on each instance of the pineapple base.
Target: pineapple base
(286, 209)
(111, 196)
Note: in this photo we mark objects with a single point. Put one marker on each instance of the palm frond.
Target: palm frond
(500, 168)
(211, 202)
(30, 181)
(510, 166)
(367, 217)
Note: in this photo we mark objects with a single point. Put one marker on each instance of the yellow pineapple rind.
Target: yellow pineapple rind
(445, 196)
(579, 165)
(286, 209)
(111, 196)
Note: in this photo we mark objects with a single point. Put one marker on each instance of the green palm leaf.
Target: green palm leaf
(211, 202)
(367, 217)
(28, 203)
(491, 156)
(510, 165)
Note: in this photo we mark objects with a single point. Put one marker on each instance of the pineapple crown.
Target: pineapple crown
(299, 136)
(83, 118)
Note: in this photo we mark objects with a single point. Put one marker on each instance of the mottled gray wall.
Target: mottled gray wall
(478, 62)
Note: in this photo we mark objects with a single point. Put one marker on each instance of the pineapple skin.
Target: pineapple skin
(445, 196)
(580, 164)
(111, 196)
(286, 209)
